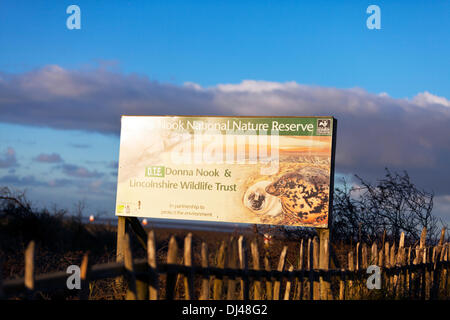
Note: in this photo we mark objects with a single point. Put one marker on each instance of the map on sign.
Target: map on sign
(276, 170)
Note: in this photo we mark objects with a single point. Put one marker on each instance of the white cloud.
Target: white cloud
(253, 86)
(424, 99)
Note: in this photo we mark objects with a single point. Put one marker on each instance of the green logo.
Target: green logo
(155, 171)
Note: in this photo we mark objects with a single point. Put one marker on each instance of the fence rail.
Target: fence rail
(418, 272)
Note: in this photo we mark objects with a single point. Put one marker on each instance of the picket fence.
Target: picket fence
(418, 272)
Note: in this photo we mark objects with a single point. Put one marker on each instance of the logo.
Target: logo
(155, 171)
(374, 280)
(323, 126)
(74, 280)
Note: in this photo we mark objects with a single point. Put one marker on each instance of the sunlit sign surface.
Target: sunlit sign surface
(264, 170)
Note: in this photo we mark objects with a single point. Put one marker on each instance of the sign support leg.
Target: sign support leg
(121, 230)
(324, 261)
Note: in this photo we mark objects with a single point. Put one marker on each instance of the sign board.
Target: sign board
(263, 170)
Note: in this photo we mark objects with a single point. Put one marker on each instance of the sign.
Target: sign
(263, 170)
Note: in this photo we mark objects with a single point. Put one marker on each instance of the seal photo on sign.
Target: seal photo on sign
(260, 202)
(302, 193)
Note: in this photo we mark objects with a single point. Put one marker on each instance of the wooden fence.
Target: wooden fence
(418, 272)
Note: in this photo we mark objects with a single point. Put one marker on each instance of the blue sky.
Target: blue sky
(165, 44)
(210, 42)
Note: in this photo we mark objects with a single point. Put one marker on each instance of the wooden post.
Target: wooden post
(387, 265)
(381, 265)
(402, 244)
(447, 258)
(316, 265)
(434, 273)
(446, 270)
(357, 283)
(288, 285)
(232, 262)
(364, 256)
(423, 260)
(342, 290)
(364, 265)
(189, 279)
(218, 282)
(400, 262)
(124, 224)
(423, 238)
(392, 256)
(153, 285)
(351, 268)
(84, 277)
(392, 264)
(381, 257)
(429, 258)
(325, 287)
(374, 255)
(244, 266)
(386, 254)
(442, 285)
(442, 237)
(437, 268)
(441, 269)
(427, 272)
(255, 260)
(403, 272)
(29, 269)
(129, 269)
(204, 293)
(358, 256)
(432, 270)
(310, 252)
(409, 273)
(324, 262)
(269, 288)
(121, 230)
(299, 282)
(171, 274)
(277, 285)
(416, 276)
